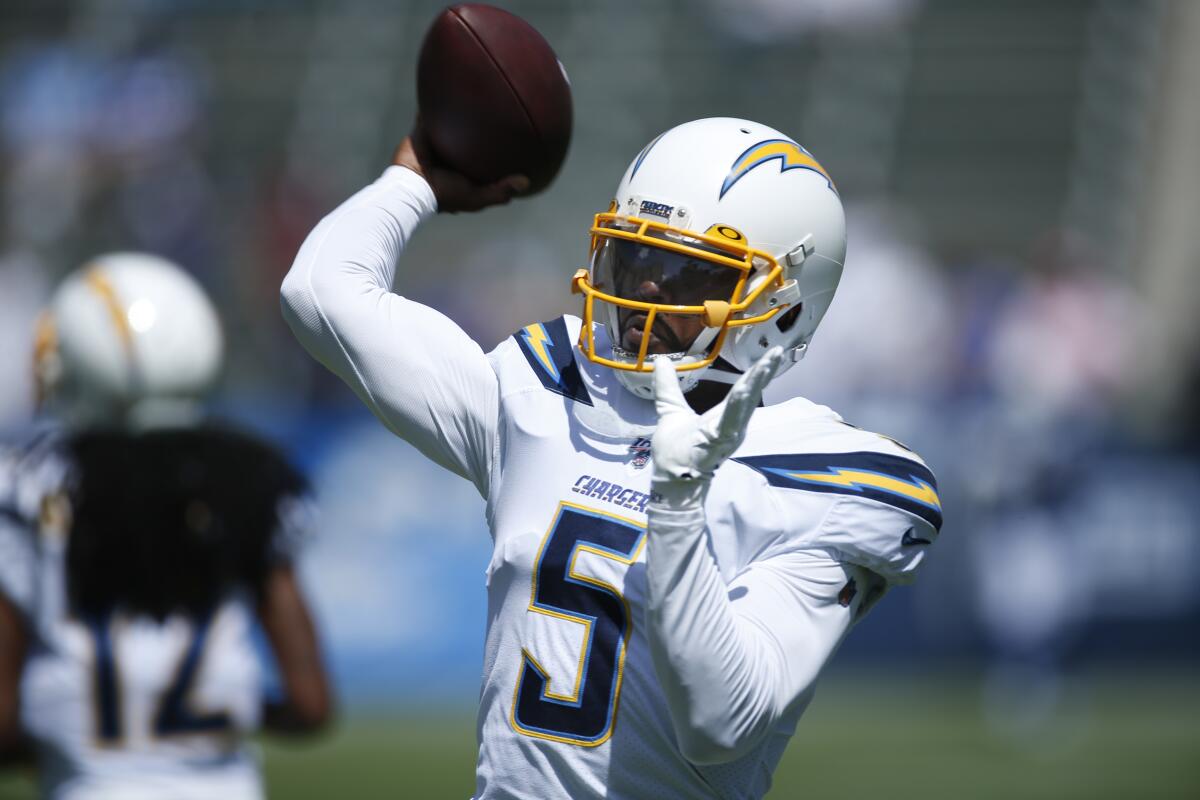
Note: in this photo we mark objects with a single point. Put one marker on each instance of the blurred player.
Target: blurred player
(674, 563)
(138, 545)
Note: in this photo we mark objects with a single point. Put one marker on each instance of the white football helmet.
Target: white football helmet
(724, 220)
(128, 340)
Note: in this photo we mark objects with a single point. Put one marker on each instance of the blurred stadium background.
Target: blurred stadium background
(1020, 304)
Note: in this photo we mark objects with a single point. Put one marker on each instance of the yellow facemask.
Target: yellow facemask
(715, 276)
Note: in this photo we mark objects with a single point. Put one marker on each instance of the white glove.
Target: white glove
(688, 447)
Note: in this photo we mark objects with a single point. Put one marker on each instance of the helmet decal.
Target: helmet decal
(642, 155)
(655, 209)
(99, 283)
(790, 155)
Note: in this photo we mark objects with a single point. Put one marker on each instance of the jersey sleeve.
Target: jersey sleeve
(884, 509)
(891, 543)
(413, 367)
(735, 660)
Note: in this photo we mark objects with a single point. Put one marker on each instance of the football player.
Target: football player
(656, 626)
(138, 547)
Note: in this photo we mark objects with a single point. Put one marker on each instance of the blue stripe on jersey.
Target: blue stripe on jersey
(551, 354)
(897, 481)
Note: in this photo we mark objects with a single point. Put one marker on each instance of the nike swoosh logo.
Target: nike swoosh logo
(908, 540)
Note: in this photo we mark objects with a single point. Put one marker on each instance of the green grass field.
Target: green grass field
(1123, 736)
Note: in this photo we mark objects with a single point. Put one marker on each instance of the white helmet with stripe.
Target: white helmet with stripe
(129, 339)
(729, 227)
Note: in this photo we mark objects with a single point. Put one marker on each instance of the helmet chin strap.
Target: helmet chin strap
(728, 378)
(721, 371)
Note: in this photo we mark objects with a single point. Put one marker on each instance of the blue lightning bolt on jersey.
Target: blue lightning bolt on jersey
(539, 345)
(550, 352)
(895, 480)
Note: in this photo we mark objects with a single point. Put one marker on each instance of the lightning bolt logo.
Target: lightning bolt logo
(642, 155)
(539, 343)
(880, 477)
(790, 155)
(915, 489)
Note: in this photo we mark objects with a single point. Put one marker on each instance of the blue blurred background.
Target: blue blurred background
(1020, 300)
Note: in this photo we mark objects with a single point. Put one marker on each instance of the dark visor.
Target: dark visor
(637, 271)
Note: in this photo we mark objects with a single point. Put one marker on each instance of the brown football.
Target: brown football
(493, 97)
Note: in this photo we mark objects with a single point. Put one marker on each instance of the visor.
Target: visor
(642, 271)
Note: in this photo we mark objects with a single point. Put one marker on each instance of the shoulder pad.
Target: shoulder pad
(549, 348)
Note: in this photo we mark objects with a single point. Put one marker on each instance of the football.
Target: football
(493, 97)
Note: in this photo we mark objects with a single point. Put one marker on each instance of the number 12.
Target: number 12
(172, 715)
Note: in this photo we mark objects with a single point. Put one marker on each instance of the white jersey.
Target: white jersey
(807, 525)
(121, 706)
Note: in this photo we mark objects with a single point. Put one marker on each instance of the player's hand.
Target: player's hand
(453, 190)
(687, 446)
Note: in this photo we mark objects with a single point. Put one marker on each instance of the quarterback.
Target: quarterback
(139, 545)
(673, 562)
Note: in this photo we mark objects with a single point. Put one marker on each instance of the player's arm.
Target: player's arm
(307, 704)
(417, 371)
(734, 660)
(14, 645)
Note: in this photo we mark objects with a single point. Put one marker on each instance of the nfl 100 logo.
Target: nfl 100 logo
(639, 452)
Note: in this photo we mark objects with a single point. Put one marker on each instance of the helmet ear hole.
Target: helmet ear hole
(787, 319)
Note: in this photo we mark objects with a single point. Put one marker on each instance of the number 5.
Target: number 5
(584, 716)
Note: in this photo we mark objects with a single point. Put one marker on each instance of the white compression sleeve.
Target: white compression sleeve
(417, 371)
(734, 659)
